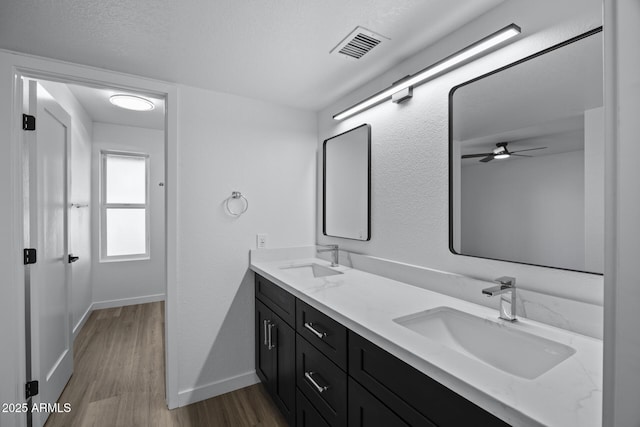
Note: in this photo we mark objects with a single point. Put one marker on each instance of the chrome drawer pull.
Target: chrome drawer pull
(266, 322)
(316, 332)
(320, 388)
(270, 346)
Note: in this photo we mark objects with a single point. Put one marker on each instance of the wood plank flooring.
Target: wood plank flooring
(118, 380)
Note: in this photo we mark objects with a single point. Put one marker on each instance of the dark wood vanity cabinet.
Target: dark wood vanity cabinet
(275, 359)
(321, 374)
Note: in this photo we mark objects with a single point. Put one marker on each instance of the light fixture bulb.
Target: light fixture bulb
(502, 156)
(132, 102)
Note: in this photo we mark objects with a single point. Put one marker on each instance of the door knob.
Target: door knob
(73, 258)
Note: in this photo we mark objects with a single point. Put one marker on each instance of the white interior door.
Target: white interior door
(51, 333)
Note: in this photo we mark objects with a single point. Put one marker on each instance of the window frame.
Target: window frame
(104, 206)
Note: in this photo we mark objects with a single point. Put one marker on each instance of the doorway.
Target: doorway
(81, 218)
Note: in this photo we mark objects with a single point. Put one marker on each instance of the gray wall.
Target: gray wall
(529, 210)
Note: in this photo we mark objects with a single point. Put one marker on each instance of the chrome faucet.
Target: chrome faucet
(507, 285)
(335, 253)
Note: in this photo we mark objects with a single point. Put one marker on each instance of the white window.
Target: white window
(124, 206)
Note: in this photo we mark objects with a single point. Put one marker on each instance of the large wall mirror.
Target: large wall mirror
(527, 160)
(347, 184)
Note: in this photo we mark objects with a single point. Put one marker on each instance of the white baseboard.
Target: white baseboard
(82, 321)
(126, 301)
(216, 388)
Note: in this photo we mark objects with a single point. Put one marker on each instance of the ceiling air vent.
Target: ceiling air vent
(358, 43)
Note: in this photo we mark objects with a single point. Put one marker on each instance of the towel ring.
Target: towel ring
(234, 196)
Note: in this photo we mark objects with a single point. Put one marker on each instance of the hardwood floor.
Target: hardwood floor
(118, 380)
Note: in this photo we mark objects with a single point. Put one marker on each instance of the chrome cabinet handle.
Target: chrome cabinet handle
(320, 388)
(270, 346)
(266, 322)
(316, 332)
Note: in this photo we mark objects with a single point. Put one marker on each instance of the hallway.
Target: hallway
(118, 379)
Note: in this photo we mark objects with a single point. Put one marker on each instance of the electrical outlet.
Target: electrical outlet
(261, 241)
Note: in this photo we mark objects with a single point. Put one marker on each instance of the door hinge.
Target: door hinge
(31, 389)
(28, 122)
(30, 256)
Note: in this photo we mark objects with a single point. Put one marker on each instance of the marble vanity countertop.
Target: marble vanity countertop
(568, 395)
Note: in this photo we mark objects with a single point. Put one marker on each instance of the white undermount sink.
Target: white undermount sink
(311, 270)
(500, 345)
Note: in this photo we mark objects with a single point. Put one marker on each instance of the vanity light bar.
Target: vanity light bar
(431, 71)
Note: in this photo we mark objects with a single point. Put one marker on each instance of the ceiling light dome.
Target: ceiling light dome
(131, 102)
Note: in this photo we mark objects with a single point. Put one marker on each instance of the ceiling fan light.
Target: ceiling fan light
(131, 102)
(502, 156)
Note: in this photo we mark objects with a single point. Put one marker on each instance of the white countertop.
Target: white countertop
(568, 395)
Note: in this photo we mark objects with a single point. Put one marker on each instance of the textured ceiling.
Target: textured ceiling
(277, 51)
(96, 102)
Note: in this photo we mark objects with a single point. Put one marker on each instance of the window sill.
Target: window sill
(125, 259)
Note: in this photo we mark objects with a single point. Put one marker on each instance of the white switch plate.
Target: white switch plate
(261, 241)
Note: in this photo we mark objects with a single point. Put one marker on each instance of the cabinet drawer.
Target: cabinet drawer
(277, 299)
(322, 382)
(393, 381)
(367, 411)
(327, 335)
(307, 415)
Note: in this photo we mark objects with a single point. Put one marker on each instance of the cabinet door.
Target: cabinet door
(275, 359)
(367, 411)
(264, 355)
(283, 381)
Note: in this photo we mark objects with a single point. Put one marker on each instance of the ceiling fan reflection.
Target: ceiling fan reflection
(500, 152)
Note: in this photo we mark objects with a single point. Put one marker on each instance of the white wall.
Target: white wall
(135, 281)
(594, 178)
(410, 218)
(529, 210)
(79, 218)
(229, 143)
(622, 287)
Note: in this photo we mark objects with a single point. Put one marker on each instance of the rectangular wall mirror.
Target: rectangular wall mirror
(526, 152)
(347, 184)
